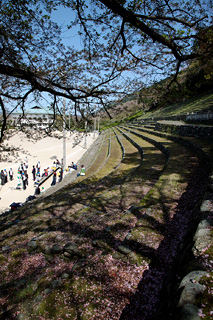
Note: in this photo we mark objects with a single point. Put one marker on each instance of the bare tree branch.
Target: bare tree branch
(4, 122)
(133, 19)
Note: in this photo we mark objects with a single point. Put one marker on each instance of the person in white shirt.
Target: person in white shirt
(38, 166)
(38, 179)
(26, 162)
(11, 174)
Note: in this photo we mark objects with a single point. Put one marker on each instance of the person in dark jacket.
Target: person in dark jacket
(24, 180)
(2, 177)
(6, 175)
(54, 179)
(34, 173)
(37, 191)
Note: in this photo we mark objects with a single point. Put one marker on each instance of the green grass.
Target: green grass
(193, 105)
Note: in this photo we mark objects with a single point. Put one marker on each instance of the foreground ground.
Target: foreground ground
(106, 246)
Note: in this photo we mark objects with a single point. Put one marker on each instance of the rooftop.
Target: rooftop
(36, 110)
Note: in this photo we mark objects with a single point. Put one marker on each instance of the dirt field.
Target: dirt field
(18, 146)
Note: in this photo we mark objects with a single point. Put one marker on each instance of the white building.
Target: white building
(34, 117)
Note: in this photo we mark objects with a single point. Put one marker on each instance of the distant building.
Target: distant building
(34, 117)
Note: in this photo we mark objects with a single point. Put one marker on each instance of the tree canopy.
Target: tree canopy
(124, 44)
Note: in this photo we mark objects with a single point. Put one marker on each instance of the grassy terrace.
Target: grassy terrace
(110, 158)
(103, 246)
(187, 207)
(196, 104)
(100, 157)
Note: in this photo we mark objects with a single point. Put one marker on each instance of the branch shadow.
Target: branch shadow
(151, 296)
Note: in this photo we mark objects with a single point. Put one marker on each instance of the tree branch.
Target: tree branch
(133, 19)
(4, 122)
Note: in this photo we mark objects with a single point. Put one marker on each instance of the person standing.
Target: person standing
(6, 175)
(38, 166)
(11, 174)
(19, 178)
(26, 162)
(34, 173)
(24, 179)
(54, 179)
(21, 169)
(60, 175)
(25, 167)
(2, 177)
(26, 175)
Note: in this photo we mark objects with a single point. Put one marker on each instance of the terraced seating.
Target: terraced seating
(100, 161)
(202, 147)
(88, 159)
(105, 244)
(126, 174)
(108, 158)
(184, 216)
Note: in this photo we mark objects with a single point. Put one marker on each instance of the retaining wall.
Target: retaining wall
(201, 132)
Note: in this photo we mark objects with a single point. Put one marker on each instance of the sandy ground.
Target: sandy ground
(45, 150)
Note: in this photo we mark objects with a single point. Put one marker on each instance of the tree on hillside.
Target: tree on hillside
(152, 39)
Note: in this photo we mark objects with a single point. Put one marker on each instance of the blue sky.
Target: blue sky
(63, 16)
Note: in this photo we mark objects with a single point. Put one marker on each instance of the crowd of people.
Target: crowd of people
(23, 176)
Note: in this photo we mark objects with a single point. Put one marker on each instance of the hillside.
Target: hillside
(199, 103)
(191, 92)
(132, 111)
